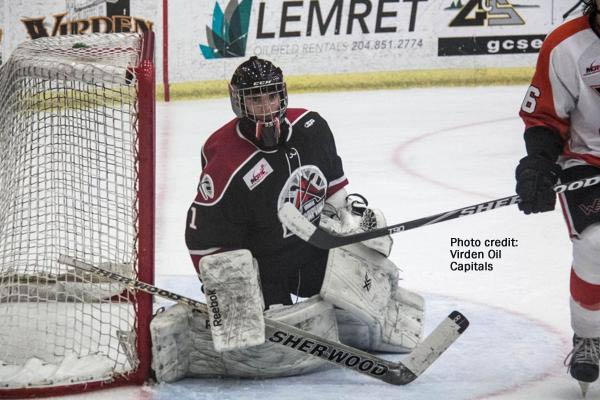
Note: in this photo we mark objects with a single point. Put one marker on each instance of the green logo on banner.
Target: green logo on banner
(229, 32)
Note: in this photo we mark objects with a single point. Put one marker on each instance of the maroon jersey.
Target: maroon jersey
(242, 186)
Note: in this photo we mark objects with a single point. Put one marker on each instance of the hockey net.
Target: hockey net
(76, 178)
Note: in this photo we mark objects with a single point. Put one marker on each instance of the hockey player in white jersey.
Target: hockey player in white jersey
(561, 111)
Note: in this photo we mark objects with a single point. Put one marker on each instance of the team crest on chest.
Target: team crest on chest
(306, 189)
(257, 174)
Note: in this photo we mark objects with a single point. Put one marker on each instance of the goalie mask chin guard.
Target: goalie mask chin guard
(258, 93)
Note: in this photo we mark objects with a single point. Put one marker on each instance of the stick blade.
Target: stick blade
(70, 261)
(436, 343)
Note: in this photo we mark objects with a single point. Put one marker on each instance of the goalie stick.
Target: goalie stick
(297, 339)
(291, 217)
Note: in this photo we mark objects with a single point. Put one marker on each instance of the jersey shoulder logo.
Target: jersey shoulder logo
(590, 71)
(206, 187)
(592, 68)
(306, 189)
(309, 123)
(257, 174)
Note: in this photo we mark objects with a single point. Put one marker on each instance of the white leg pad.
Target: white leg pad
(182, 345)
(363, 282)
(234, 298)
(171, 343)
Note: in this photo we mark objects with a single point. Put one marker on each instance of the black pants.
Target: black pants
(282, 276)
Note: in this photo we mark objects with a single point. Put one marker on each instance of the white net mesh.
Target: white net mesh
(68, 185)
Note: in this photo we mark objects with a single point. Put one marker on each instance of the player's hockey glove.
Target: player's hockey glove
(536, 175)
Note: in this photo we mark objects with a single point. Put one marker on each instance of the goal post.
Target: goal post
(77, 168)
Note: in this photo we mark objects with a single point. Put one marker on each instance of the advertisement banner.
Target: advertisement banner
(208, 39)
(331, 36)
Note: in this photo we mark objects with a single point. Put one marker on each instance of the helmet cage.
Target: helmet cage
(257, 103)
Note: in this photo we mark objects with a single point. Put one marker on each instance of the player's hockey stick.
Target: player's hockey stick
(565, 15)
(291, 217)
(339, 354)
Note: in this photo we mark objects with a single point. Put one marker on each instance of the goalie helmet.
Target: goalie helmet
(258, 93)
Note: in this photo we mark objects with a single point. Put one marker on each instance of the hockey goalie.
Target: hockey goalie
(250, 265)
